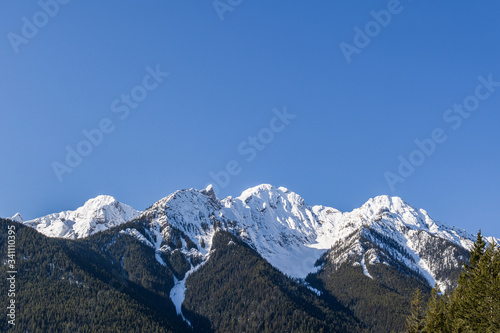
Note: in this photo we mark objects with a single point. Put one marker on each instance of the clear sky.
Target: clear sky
(322, 97)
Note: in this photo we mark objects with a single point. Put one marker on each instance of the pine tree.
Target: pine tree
(469, 292)
(477, 295)
(494, 292)
(474, 306)
(477, 252)
(416, 321)
(435, 319)
(477, 298)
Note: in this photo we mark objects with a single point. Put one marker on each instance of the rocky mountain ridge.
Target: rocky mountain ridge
(291, 235)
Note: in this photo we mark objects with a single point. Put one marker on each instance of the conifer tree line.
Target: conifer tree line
(474, 305)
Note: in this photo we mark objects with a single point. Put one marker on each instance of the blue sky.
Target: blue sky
(227, 81)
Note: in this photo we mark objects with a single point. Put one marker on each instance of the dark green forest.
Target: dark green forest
(474, 305)
(111, 282)
(238, 291)
(75, 286)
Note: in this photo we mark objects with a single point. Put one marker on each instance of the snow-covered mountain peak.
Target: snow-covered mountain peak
(17, 218)
(97, 214)
(184, 198)
(258, 191)
(195, 213)
(387, 202)
(105, 208)
(98, 202)
(209, 191)
(269, 195)
(388, 230)
(394, 213)
(393, 210)
(283, 189)
(287, 232)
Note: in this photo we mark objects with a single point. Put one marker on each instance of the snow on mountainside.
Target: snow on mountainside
(283, 229)
(17, 217)
(97, 214)
(387, 230)
(291, 235)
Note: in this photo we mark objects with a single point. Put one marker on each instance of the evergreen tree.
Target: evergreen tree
(476, 253)
(474, 306)
(416, 320)
(435, 320)
(473, 296)
(493, 299)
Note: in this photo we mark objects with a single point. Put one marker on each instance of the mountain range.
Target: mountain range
(359, 265)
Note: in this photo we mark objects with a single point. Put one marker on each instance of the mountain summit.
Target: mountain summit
(367, 261)
(97, 214)
(292, 236)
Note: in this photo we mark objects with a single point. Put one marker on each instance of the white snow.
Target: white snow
(314, 290)
(17, 218)
(287, 232)
(97, 214)
(281, 227)
(365, 270)
(159, 259)
(178, 292)
(137, 235)
(292, 235)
